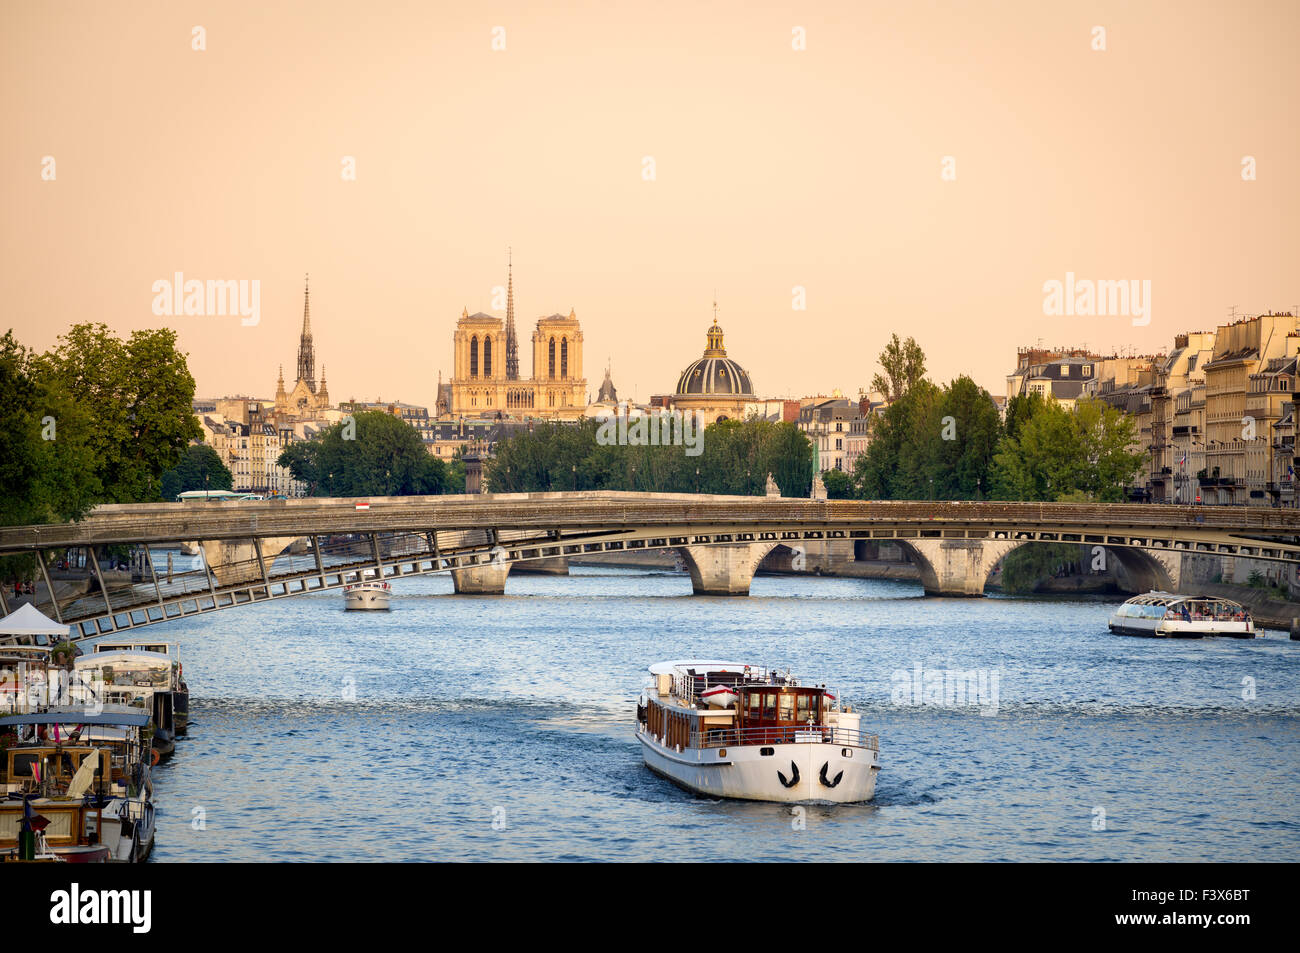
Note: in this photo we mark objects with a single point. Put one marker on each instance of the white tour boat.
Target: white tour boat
(367, 595)
(1168, 615)
(763, 737)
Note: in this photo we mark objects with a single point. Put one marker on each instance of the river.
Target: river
(457, 728)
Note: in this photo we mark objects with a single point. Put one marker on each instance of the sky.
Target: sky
(921, 168)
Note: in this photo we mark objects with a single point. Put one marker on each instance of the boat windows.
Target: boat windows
(767, 752)
(786, 707)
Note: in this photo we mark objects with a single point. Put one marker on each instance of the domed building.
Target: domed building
(715, 386)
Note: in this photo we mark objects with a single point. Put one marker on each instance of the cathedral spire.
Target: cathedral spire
(306, 350)
(512, 342)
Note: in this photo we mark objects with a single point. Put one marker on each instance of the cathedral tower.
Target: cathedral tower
(306, 351)
(512, 342)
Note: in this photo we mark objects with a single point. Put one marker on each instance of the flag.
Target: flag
(31, 820)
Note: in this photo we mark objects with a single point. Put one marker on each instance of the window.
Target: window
(551, 359)
(473, 356)
(786, 710)
(487, 357)
(564, 357)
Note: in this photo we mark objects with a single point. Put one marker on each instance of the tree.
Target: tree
(1080, 454)
(790, 459)
(839, 486)
(200, 469)
(899, 461)
(969, 430)
(386, 457)
(904, 367)
(736, 458)
(137, 395)
(47, 467)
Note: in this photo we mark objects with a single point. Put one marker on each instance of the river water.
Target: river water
(456, 728)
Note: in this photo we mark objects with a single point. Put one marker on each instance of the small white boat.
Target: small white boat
(775, 740)
(1167, 615)
(720, 696)
(367, 595)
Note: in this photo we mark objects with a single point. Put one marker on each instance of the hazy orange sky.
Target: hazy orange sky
(775, 168)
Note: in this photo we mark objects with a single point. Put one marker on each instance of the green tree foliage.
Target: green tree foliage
(736, 458)
(47, 471)
(47, 467)
(903, 363)
(1056, 454)
(385, 458)
(1028, 566)
(456, 472)
(200, 469)
(135, 395)
(839, 485)
(933, 443)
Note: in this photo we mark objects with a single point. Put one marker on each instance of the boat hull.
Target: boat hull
(792, 773)
(1179, 629)
(366, 599)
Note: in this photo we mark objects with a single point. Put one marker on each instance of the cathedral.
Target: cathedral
(486, 378)
(307, 399)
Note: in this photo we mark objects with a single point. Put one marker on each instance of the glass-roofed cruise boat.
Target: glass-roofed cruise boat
(1168, 615)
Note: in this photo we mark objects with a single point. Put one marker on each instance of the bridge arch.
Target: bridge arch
(962, 567)
(725, 569)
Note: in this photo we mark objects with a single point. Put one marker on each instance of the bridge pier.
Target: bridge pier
(724, 569)
(234, 561)
(957, 567)
(549, 566)
(488, 579)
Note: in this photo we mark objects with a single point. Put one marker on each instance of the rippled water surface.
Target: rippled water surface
(323, 735)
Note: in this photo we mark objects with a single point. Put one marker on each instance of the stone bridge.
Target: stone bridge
(260, 550)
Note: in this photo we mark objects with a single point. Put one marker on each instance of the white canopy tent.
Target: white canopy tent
(29, 620)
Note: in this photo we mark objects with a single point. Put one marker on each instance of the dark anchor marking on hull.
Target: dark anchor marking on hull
(830, 784)
(794, 780)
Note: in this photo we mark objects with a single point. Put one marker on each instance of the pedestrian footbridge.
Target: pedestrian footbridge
(124, 566)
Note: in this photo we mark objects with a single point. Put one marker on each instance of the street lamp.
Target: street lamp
(574, 467)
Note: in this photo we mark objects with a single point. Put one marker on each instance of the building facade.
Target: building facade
(486, 378)
(1241, 409)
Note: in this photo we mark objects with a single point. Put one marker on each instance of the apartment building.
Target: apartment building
(1243, 402)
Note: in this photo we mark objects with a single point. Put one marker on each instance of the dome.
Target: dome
(715, 373)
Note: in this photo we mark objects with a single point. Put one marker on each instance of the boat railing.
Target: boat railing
(816, 734)
(689, 687)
